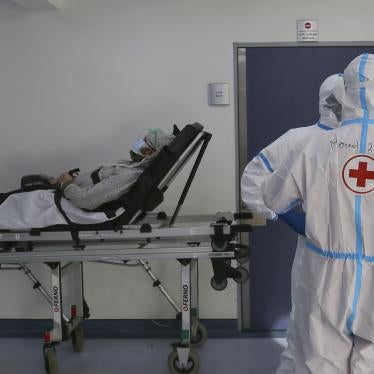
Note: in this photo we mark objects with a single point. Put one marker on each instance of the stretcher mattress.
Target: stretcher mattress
(37, 209)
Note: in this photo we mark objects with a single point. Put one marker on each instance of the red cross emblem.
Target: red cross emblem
(358, 174)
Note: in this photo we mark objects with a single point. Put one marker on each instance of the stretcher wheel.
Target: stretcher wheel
(218, 286)
(219, 245)
(51, 364)
(201, 336)
(241, 275)
(77, 338)
(174, 366)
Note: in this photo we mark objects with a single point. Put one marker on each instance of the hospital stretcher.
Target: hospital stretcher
(140, 236)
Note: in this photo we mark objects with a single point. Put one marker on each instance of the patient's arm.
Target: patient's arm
(109, 189)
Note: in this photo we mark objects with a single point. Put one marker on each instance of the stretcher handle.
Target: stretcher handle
(243, 215)
(241, 228)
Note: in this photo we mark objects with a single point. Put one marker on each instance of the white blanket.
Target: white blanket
(37, 209)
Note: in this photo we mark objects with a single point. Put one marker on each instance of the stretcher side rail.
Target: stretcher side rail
(126, 234)
(111, 255)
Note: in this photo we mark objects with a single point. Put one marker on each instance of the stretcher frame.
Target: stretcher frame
(152, 238)
(186, 244)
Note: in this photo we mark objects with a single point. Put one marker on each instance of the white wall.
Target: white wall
(77, 85)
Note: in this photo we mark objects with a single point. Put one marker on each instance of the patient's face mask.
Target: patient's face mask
(137, 147)
(141, 149)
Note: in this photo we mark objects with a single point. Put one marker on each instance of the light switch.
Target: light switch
(218, 94)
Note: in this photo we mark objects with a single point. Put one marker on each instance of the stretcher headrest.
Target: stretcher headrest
(141, 193)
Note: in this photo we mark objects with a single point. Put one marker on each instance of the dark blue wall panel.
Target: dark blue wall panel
(282, 93)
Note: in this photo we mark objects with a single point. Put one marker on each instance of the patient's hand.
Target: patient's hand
(64, 177)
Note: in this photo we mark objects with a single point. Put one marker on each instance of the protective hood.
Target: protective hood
(359, 87)
(157, 139)
(330, 100)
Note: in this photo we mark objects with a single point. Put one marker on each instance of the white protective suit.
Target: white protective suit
(332, 175)
(271, 158)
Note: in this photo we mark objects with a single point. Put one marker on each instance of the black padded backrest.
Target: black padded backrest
(144, 194)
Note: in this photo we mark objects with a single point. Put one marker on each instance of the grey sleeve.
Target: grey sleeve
(107, 190)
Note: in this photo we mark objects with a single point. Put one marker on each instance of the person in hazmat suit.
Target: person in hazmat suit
(332, 175)
(271, 158)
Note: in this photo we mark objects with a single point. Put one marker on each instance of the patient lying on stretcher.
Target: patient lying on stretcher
(83, 193)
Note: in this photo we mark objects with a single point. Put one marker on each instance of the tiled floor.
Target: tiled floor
(138, 356)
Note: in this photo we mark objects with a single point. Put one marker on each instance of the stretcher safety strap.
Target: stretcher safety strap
(95, 176)
(73, 231)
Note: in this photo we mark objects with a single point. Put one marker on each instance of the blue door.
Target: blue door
(282, 93)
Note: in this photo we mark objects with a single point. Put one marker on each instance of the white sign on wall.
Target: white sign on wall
(218, 94)
(307, 31)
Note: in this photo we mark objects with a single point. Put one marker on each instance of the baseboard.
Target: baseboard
(130, 329)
